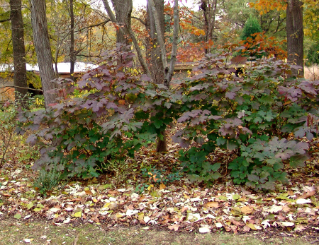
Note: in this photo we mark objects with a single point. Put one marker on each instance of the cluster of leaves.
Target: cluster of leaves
(255, 115)
(112, 113)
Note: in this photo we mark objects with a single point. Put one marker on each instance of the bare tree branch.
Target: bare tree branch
(139, 19)
(95, 25)
(12, 86)
(5, 20)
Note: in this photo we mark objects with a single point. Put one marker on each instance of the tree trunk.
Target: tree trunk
(123, 10)
(153, 49)
(43, 48)
(295, 35)
(72, 50)
(20, 73)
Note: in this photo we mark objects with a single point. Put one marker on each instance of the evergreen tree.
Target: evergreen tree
(251, 27)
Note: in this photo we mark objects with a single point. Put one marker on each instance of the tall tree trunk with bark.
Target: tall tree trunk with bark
(20, 73)
(72, 42)
(295, 35)
(157, 57)
(43, 48)
(123, 10)
(153, 49)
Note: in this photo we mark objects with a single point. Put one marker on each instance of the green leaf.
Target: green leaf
(236, 196)
(17, 216)
(158, 123)
(298, 160)
(30, 205)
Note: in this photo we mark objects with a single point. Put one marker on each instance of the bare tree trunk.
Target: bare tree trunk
(43, 48)
(72, 50)
(20, 73)
(295, 35)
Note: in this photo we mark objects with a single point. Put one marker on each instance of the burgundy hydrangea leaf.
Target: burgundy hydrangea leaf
(230, 95)
(188, 115)
(32, 139)
(307, 87)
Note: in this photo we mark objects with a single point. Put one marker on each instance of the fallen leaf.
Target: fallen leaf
(287, 224)
(251, 226)
(237, 223)
(303, 201)
(77, 214)
(219, 225)
(211, 205)
(30, 205)
(247, 210)
(17, 216)
(300, 228)
(246, 228)
(162, 186)
(204, 229)
(173, 227)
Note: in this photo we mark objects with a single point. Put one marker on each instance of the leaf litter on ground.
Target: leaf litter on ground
(181, 206)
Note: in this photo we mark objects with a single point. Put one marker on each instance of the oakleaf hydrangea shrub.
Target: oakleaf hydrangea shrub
(260, 116)
(108, 115)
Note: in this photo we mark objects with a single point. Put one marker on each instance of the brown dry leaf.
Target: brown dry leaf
(112, 192)
(237, 223)
(246, 228)
(88, 192)
(121, 102)
(162, 186)
(184, 209)
(286, 209)
(307, 194)
(174, 227)
(234, 228)
(247, 210)
(211, 205)
(75, 200)
(95, 219)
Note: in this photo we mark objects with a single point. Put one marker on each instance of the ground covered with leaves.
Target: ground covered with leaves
(136, 195)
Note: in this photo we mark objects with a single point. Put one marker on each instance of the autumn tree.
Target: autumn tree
(209, 9)
(294, 28)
